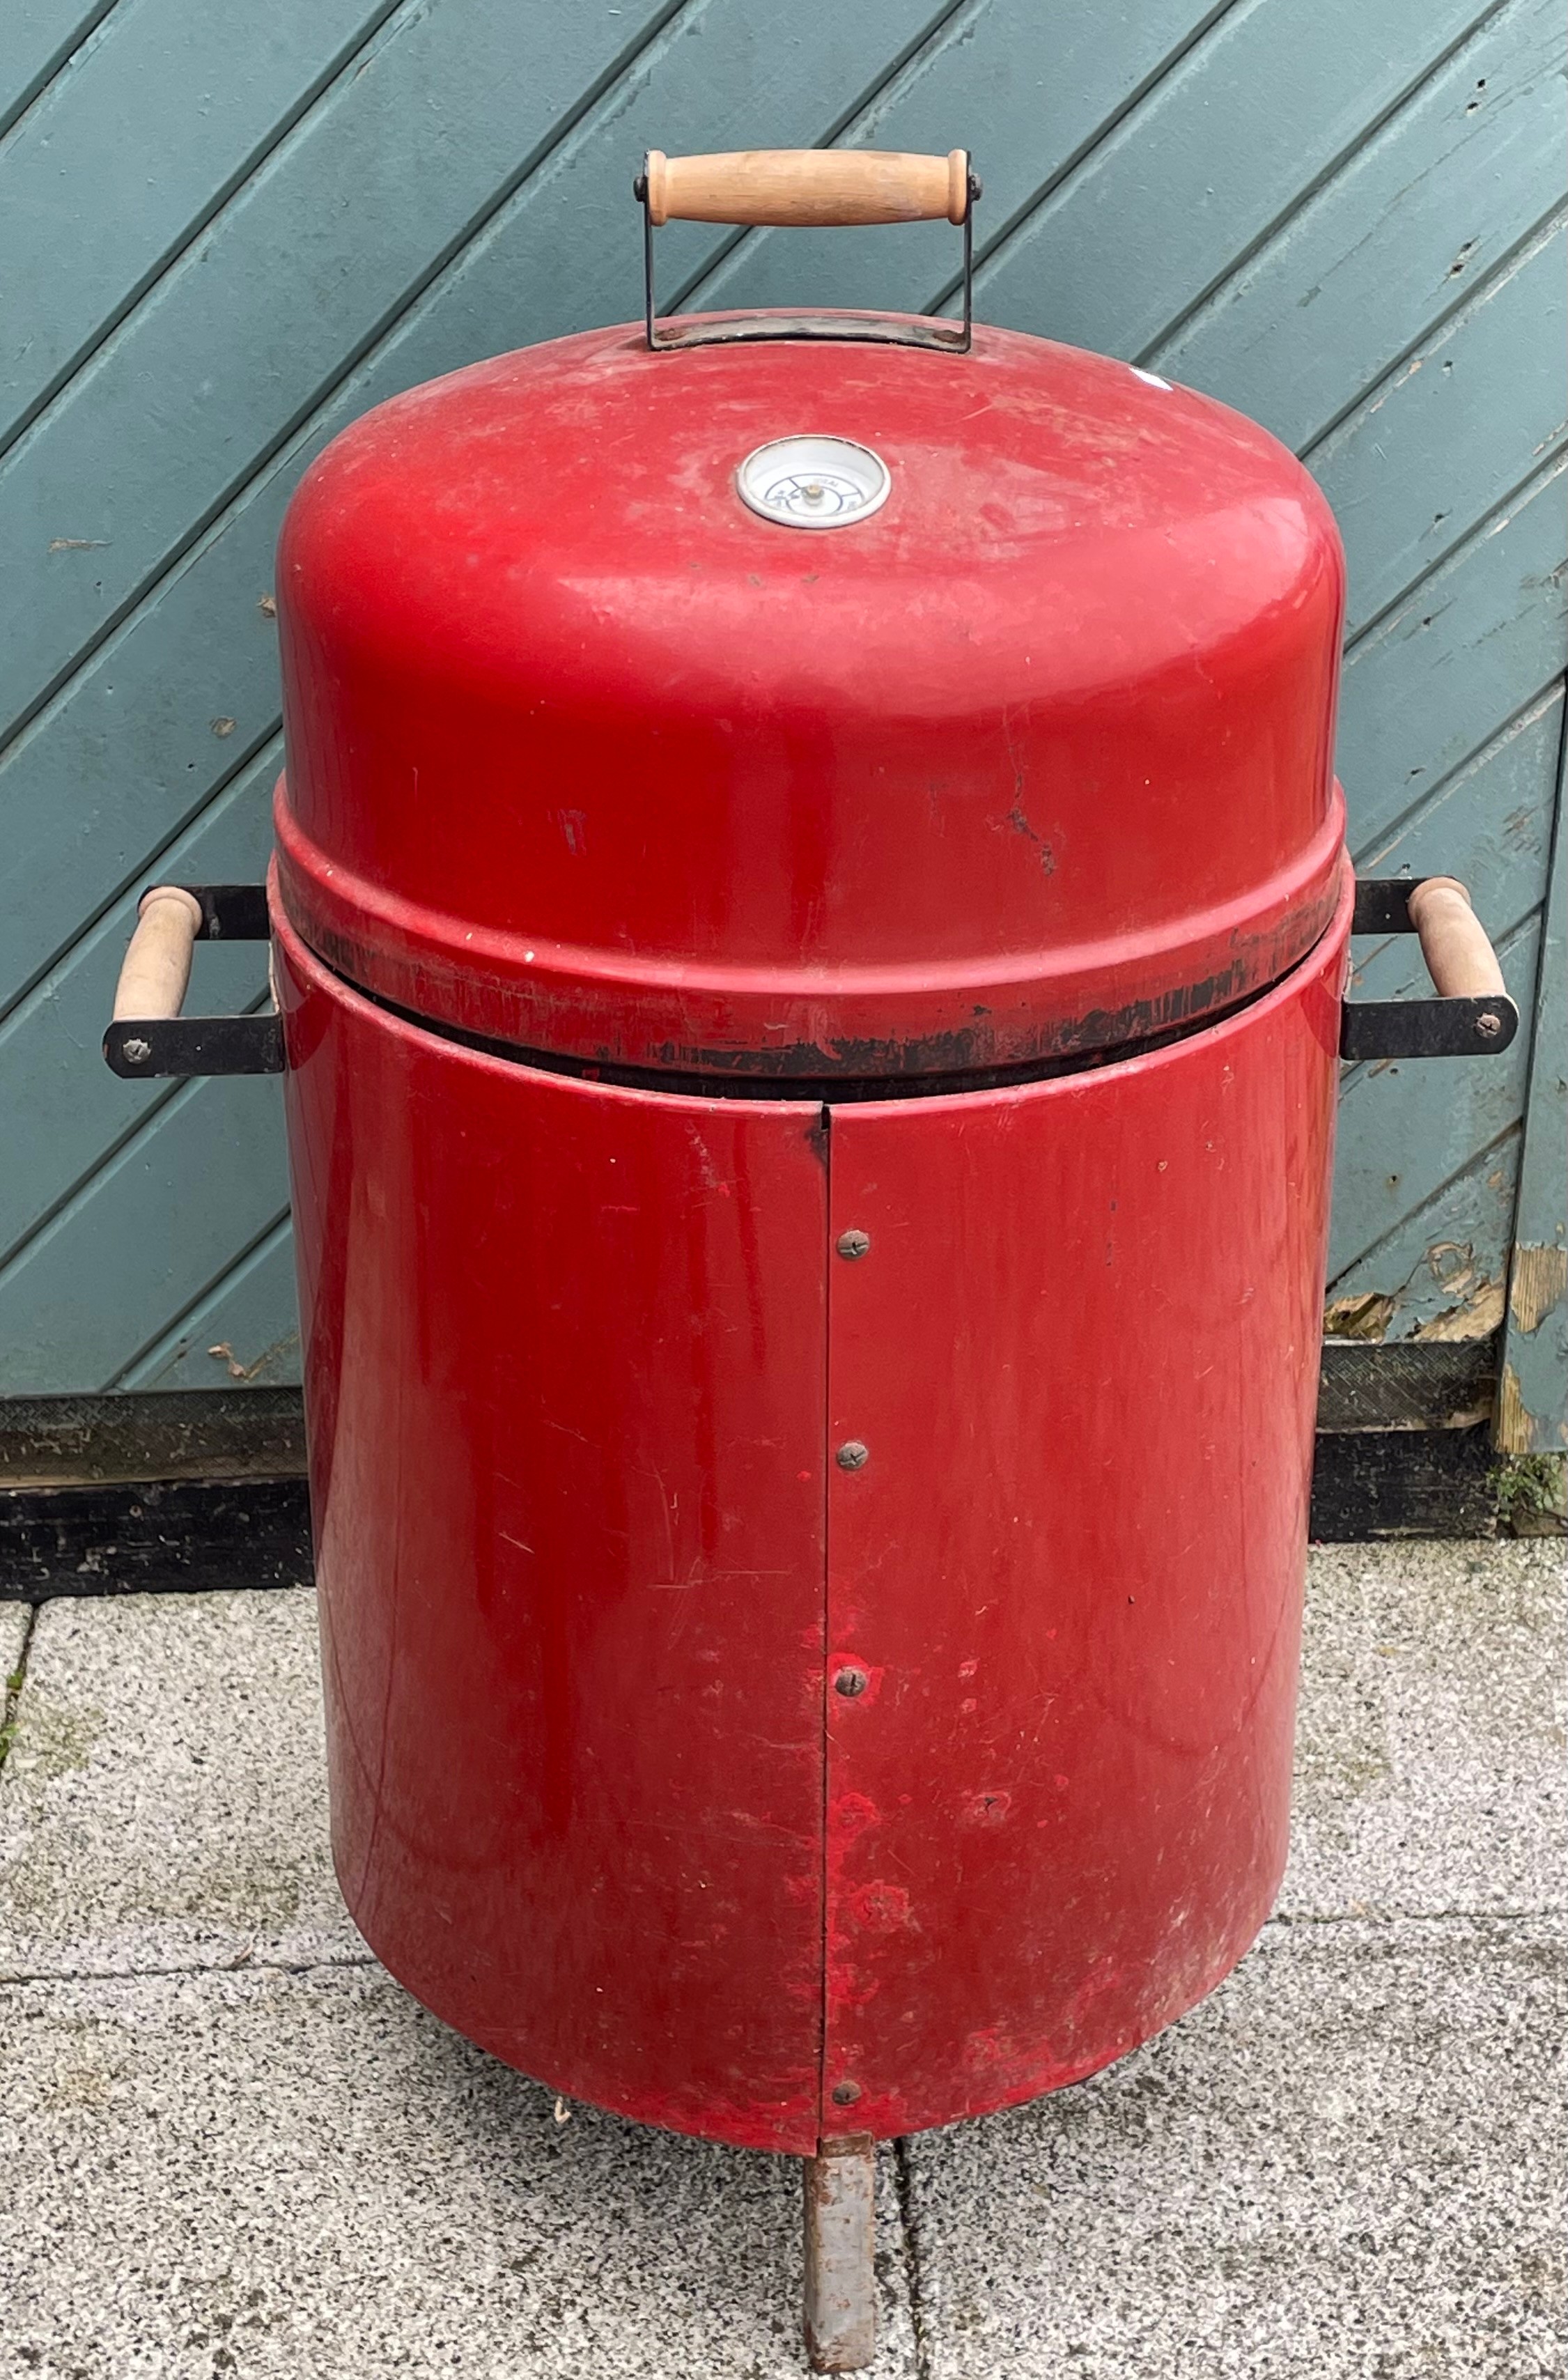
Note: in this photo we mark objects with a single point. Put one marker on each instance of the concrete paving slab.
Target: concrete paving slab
(1336, 2168)
(278, 2174)
(163, 1803)
(14, 1621)
(1343, 2166)
(1429, 1755)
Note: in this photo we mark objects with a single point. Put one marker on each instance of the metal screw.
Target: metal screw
(135, 1052)
(1489, 1025)
(852, 1455)
(851, 1682)
(853, 1244)
(846, 2094)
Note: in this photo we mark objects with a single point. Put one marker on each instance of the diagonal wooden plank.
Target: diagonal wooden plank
(578, 206)
(1410, 223)
(110, 775)
(115, 765)
(109, 770)
(251, 1313)
(1468, 649)
(63, 1105)
(1493, 818)
(40, 37)
(151, 1231)
(123, 158)
(1158, 213)
(1027, 108)
(384, 178)
(1407, 474)
(697, 86)
(1447, 1256)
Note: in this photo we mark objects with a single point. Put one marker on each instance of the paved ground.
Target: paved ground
(232, 2145)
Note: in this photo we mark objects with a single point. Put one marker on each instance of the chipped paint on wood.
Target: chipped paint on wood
(1473, 1307)
(1366, 1316)
(1519, 1431)
(1540, 1277)
(1479, 1316)
(1475, 1310)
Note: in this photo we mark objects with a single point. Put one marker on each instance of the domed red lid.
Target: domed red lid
(992, 720)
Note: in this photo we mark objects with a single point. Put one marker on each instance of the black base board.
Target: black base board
(1386, 1384)
(136, 1434)
(182, 1536)
(1403, 1451)
(175, 1537)
(1404, 1483)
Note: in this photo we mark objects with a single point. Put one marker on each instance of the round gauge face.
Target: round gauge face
(813, 482)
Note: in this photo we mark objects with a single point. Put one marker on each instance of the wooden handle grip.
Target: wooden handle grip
(807, 186)
(1460, 960)
(157, 965)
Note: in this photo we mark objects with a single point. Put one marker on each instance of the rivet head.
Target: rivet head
(846, 2094)
(853, 1455)
(850, 1681)
(853, 1244)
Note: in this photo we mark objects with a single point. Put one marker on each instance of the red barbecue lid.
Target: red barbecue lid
(808, 709)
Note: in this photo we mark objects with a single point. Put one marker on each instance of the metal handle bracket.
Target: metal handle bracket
(680, 333)
(138, 1048)
(1478, 1024)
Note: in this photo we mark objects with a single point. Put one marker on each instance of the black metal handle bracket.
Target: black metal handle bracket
(141, 1047)
(1438, 1027)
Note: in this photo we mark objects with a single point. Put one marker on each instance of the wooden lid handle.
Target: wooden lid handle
(1460, 959)
(157, 965)
(807, 186)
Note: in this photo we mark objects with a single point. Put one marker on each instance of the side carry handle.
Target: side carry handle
(1473, 1015)
(149, 1036)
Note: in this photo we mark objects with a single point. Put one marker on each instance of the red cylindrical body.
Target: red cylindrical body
(810, 1081)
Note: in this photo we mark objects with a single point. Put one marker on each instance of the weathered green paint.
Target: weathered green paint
(244, 1334)
(41, 36)
(1411, 472)
(1426, 208)
(171, 110)
(1470, 647)
(1410, 1127)
(50, 1034)
(228, 238)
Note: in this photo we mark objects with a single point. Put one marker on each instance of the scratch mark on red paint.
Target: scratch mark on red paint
(849, 1816)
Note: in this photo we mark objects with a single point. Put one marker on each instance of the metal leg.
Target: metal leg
(841, 2289)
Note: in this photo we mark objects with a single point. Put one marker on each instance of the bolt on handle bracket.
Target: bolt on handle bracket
(148, 1036)
(1473, 1015)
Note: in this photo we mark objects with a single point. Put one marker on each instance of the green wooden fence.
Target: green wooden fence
(226, 231)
